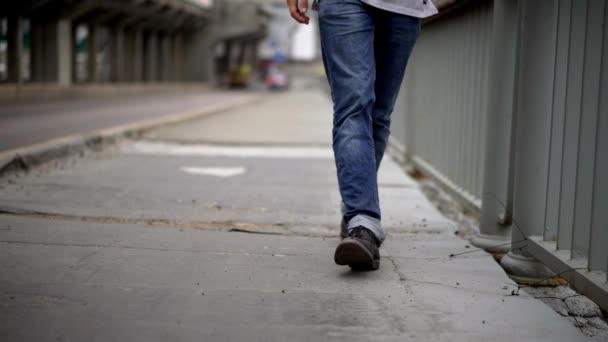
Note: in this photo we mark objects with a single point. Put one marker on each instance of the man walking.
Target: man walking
(366, 45)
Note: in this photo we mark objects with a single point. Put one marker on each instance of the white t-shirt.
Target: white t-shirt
(414, 8)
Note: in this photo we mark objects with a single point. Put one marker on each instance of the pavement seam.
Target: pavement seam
(226, 226)
(230, 226)
(407, 280)
(84, 245)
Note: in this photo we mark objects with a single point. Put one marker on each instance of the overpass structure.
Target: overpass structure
(92, 41)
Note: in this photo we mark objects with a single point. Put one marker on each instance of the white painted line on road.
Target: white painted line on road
(223, 172)
(158, 148)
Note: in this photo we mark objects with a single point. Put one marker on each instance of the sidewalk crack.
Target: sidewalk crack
(230, 226)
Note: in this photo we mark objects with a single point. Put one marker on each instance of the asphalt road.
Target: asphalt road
(32, 123)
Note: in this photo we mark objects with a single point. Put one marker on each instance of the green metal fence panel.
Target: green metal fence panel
(572, 123)
(443, 99)
(533, 117)
(560, 87)
(598, 253)
(555, 138)
(588, 127)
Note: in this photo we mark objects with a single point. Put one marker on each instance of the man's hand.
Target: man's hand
(298, 9)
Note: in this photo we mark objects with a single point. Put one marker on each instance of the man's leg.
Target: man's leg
(347, 39)
(347, 36)
(395, 37)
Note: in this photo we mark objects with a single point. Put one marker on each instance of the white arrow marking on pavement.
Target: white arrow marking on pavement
(223, 172)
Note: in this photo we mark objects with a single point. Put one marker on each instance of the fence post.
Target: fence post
(495, 231)
(533, 115)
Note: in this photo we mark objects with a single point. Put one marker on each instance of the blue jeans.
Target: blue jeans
(365, 52)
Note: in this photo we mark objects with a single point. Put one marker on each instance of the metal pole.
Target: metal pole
(495, 230)
(533, 112)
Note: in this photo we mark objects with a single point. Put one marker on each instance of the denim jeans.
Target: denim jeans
(365, 52)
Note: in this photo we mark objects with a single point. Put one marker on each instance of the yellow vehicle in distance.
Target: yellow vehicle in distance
(239, 76)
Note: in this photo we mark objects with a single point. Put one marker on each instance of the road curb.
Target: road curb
(27, 158)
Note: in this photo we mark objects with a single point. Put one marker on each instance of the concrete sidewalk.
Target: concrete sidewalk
(223, 229)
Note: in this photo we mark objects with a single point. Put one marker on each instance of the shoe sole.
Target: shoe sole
(352, 253)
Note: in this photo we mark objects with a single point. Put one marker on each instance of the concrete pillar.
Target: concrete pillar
(52, 47)
(92, 56)
(128, 56)
(15, 40)
(64, 46)
(118, 60)
(531, 148)
(228, 57)
(253, 50)
(138, 56)
(253, 58)
(151, 55)
(178, 57)
(495, 229)
(38, 51)
(233, 53)
(166, 62)
(208, 60)
(198, 62)
(242, 55)
(75, 76)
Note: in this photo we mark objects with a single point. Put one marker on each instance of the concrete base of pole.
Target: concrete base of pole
(493, 244)
(529, 271)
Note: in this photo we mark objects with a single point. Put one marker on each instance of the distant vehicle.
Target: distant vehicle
(277, 79)
(240, 76)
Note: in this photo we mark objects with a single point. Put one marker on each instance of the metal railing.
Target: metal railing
(505, 103)
(442, 106)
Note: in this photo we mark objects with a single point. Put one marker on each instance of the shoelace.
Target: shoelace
(363, 233)
(358, 232)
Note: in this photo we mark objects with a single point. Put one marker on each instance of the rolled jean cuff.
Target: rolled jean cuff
(368, 222)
